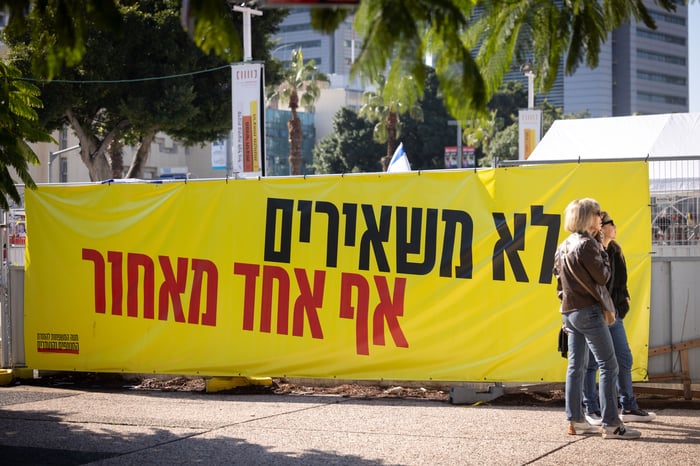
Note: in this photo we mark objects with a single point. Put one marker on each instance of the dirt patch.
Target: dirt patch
(544, 395)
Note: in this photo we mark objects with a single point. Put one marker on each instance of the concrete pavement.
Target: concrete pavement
(60, 426)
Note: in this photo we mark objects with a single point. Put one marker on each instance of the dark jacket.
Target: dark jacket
(589, 260)
(618, 280)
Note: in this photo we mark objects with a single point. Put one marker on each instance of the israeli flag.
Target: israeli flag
(399, 162)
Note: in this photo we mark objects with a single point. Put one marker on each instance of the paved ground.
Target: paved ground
(42, 425)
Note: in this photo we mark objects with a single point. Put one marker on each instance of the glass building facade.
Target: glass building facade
(277, 142)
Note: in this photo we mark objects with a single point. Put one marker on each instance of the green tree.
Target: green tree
(425, 139)
(386, 108)
(299, 87)
(350, 148)
(504, 107)
(479, 131)
(507, 101)
(395, 34)
(130, 86)
(18, 125)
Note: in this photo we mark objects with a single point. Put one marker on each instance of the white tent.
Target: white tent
(658, 136)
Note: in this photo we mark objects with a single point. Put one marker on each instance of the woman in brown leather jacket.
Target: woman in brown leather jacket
(580, 264)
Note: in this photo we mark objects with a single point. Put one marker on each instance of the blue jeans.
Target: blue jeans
(587, 329)
(624, 379)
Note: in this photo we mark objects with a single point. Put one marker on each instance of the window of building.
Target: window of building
(661, 78)
(660, 57)
(659, 17)
(660, 36)
(661, 99)
(63, 138)
(295, 27)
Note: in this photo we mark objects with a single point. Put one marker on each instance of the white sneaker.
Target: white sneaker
(636, 415)
(620, 432)
(594, 419)
(581, 428)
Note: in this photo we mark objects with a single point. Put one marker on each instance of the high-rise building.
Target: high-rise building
(640, 70)
(333, 54)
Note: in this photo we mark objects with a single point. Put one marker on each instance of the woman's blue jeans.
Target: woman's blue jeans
(587, 329)
(624, 378)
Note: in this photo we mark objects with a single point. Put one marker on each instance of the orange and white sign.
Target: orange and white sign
(529, 131)
(248, 100)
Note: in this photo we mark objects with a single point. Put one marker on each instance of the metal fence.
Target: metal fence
(675, 201)
(674, 186)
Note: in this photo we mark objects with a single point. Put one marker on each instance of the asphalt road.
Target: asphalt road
(42, 425)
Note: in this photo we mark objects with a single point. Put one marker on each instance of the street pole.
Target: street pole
(247, 43)
(53, 155)
(247, 56)
(459, 140)
(530, 89)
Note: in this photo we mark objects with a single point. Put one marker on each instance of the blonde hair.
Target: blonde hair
(579, 213)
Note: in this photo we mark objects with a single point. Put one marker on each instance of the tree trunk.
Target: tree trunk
(141, 156)
(116, 156)
(295, 137)
(391, 120)
(93, 150)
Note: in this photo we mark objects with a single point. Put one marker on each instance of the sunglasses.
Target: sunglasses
(609, 222)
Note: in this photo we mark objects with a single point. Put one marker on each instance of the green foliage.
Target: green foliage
(350, 148)
(396, 35)
(572, 30)
(18, 125)
(387, 107)
(301, 77)
(148, 77)
(64, 40)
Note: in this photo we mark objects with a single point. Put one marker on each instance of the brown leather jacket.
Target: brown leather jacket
(590, 262)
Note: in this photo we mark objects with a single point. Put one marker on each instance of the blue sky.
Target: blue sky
(694, 54)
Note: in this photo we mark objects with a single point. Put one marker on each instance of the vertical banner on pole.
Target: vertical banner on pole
(248, 106)
(529, 131)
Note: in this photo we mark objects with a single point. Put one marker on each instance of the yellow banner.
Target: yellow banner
(443, 275)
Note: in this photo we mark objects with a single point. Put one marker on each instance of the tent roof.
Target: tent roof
(664, 135)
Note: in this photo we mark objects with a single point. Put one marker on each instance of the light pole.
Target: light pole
(458, 124)
(247, 46)
(53, 155)
(530, 75)
(281, 47)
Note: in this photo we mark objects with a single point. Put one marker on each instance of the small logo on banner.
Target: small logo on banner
(58, 343)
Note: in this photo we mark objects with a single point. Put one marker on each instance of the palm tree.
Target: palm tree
(20, 125)
(300, 85)
(386, 107)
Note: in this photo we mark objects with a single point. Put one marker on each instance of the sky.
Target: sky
(694, 54)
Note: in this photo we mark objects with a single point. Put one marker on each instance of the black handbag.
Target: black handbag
(563, 343)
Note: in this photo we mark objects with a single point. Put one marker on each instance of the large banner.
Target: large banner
(443, 276)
